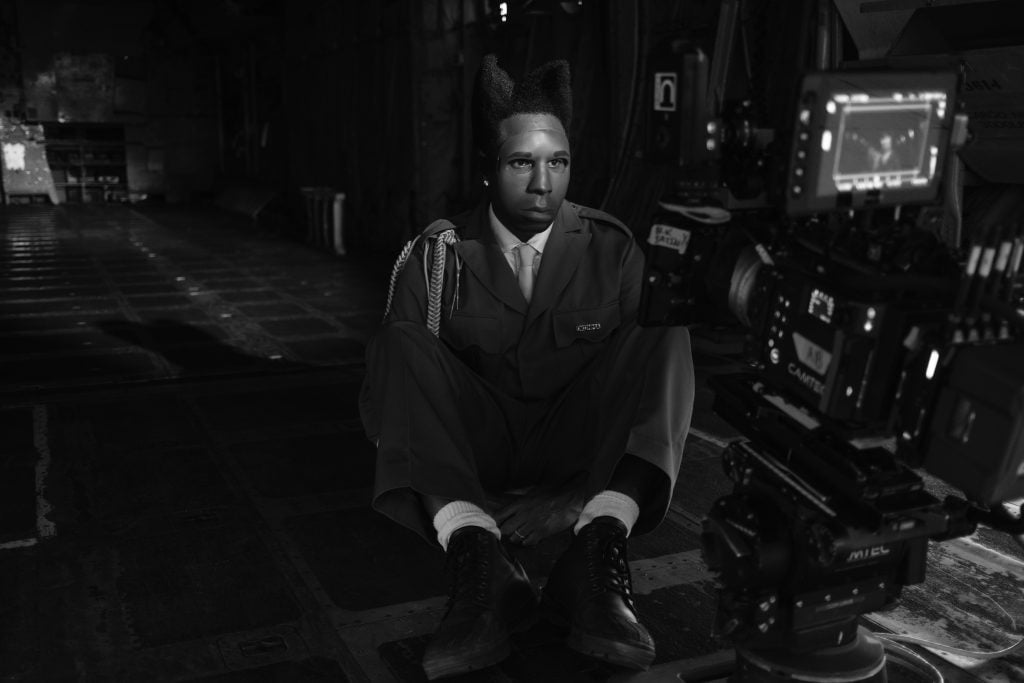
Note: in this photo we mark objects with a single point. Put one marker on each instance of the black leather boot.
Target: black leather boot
(590, 588)
(489, 596)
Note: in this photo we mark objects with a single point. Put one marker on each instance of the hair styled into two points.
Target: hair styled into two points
(544, 90)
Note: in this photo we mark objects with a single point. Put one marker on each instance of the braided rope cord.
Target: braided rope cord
(434, 258)
(396, 270)
(436, 290)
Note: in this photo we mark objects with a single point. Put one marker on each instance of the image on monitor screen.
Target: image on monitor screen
(883, 143)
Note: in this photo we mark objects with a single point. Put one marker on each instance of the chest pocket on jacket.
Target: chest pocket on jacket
(463, 331)
(590, 325)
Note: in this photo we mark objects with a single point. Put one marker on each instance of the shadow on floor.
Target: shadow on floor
(193, 349)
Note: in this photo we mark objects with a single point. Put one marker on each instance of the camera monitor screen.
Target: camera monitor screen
(870, 139)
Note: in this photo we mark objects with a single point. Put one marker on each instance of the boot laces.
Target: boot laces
(608, 569)
(469, 571)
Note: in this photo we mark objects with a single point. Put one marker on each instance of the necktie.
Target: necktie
(526, 255)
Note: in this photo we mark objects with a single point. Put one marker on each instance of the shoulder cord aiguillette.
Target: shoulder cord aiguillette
(433, 275)
(396, 270)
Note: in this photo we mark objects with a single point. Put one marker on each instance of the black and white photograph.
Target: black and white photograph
(542, 341)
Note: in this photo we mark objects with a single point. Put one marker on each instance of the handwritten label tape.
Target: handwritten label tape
(669, 237)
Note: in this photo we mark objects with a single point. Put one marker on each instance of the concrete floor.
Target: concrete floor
(184, 482)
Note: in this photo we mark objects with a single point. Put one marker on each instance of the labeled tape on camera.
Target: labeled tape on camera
(669, 237)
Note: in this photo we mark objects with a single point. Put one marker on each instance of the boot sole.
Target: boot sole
(612, 651)
(593, 646)
(443, 667)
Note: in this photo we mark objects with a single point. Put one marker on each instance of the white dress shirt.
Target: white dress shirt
(510, 242)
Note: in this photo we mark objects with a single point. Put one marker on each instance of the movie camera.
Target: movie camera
(875, 347)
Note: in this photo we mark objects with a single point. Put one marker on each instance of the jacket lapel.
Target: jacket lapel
(482, 255)
(562, 254)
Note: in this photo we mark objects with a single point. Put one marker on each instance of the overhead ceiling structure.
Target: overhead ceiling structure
(875, 25)
(981, 39)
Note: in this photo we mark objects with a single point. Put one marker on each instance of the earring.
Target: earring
(486, 184)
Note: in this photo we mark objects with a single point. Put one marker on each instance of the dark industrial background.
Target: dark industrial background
(370, 98)
(184, 481)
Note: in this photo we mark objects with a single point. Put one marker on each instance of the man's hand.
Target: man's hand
(540, 514)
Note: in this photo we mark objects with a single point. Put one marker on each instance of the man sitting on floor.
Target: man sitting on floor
(510, 360)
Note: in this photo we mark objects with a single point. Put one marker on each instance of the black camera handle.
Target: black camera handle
(998, 517)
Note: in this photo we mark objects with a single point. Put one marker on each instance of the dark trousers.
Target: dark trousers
(447, 432)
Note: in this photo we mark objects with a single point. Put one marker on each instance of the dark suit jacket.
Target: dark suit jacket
(587, 287)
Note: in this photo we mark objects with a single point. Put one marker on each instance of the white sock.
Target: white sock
(458, 514)
(609, 504)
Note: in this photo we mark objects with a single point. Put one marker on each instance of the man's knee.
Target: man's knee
(668, 344)
(673, 336)
(677, 344)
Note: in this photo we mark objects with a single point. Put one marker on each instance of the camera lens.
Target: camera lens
(742, 283)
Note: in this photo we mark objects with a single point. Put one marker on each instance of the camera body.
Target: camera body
(831, 349)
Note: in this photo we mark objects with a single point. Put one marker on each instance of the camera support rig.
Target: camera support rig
(815, 533)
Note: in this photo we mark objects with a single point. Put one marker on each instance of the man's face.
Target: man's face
(531, 172)
(886, 143)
